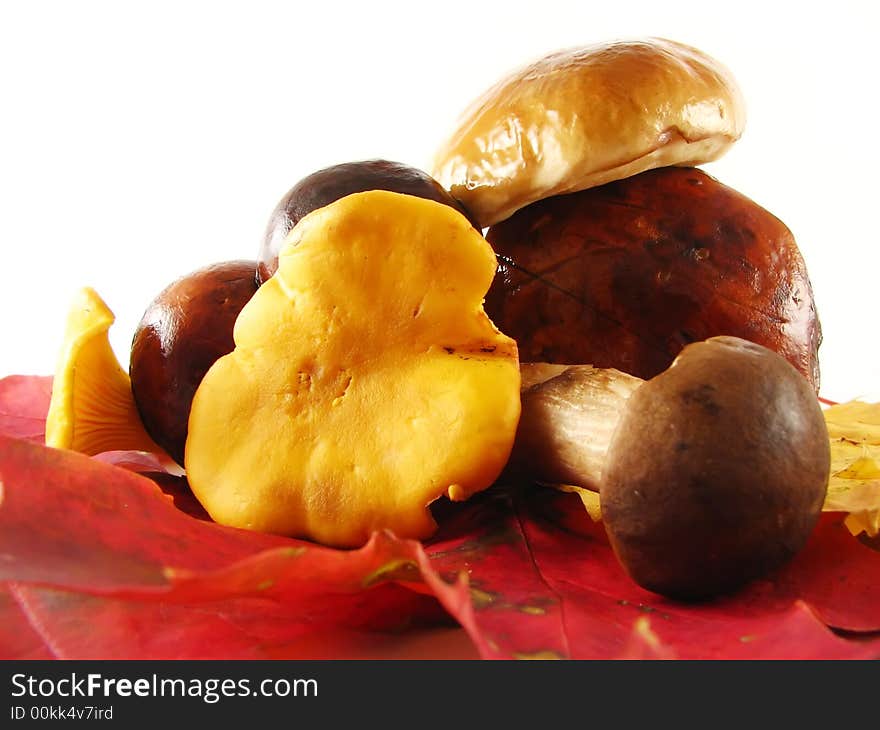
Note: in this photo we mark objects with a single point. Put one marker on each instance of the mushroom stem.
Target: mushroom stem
(569, 414)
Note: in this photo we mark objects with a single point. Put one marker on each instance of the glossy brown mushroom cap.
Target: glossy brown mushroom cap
(625, 275)
(186, 328)
(717, 472)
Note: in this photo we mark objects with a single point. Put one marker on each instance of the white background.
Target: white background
(140, 142)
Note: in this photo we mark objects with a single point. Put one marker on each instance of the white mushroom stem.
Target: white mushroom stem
(569, 414)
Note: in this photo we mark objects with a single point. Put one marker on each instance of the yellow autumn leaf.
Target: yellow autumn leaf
(854, 486)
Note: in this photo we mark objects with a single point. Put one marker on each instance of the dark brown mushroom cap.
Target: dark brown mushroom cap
(625, 275)
(717, 471)
(186, 328)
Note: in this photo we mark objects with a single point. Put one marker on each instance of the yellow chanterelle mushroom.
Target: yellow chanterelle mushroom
(366, 380)
(92, 408)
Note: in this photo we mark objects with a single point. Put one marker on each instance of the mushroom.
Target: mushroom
(332, 183)
(709, 475)
(626, 274)
(366, 380)
(582, 117)
(92, 409)
(612, 248)
(181, 334)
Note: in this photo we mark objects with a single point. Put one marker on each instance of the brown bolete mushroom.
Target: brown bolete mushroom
(181, 334)
(626, 274)
(710, 475)
(613, 250)
(585, 116)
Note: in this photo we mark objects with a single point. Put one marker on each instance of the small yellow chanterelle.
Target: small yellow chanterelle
(92, 408)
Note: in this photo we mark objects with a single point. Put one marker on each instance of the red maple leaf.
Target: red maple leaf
(24, 402)
(101, 562)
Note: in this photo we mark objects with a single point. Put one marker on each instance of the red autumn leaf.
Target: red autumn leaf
(100, 562)
(332, 620)
(24, 402)
(70, 520)
(83, 626)
(18, 637)
(542, 590)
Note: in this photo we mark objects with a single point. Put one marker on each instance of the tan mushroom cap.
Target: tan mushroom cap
(586, 116)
